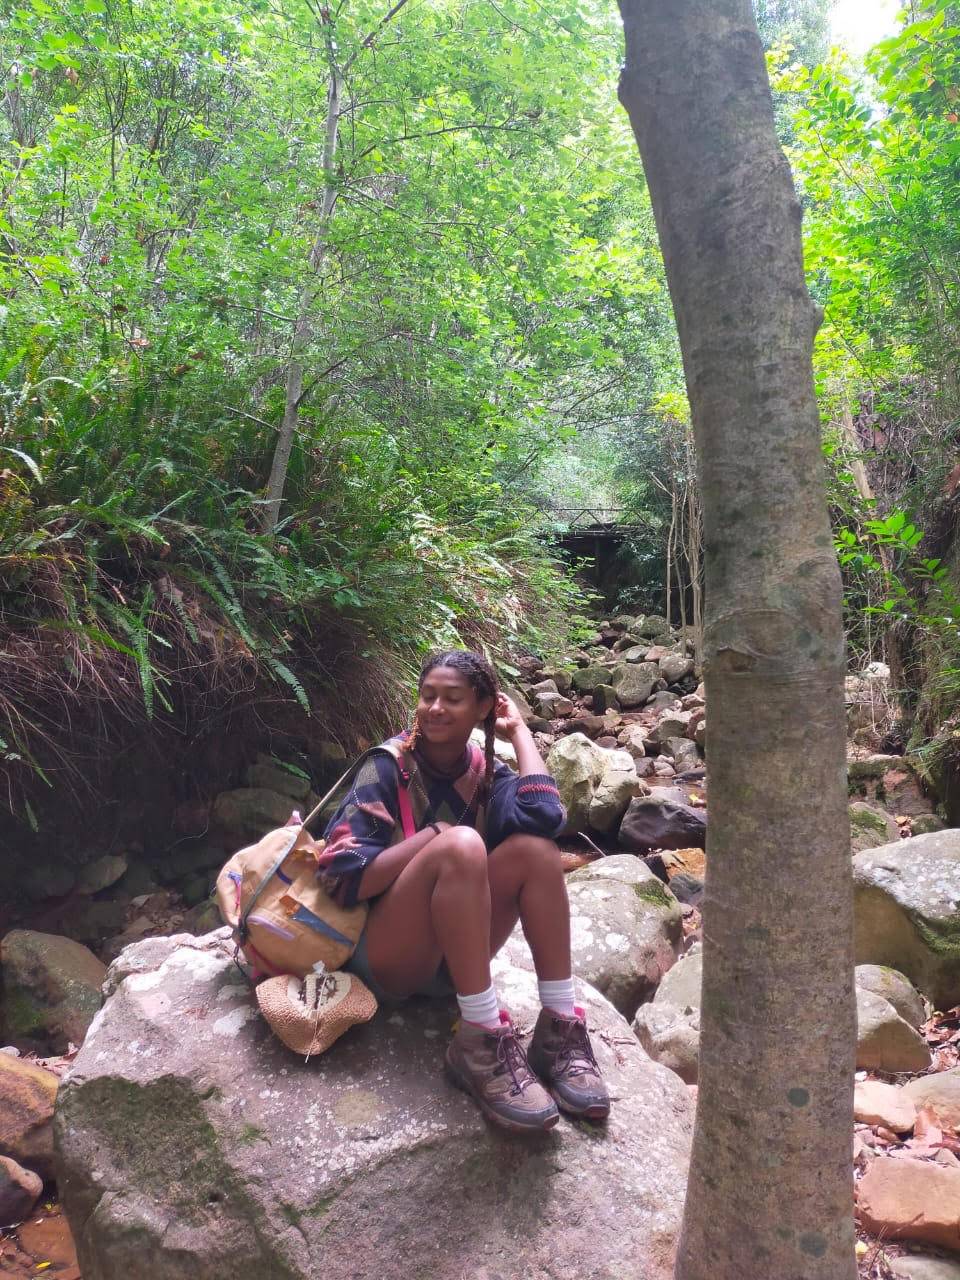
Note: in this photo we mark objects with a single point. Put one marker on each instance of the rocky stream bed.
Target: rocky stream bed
(184, 1141)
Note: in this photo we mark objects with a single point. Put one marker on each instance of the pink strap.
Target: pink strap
(406, 811)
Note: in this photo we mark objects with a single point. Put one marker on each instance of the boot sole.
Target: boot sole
(503, 1122)
(596, 1111)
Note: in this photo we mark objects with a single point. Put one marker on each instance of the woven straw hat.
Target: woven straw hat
(309, 1031)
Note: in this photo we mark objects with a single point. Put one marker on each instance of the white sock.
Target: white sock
(559, 996)
(483, 1008)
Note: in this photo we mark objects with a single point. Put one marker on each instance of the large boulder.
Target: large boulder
(27, 1095)
(669, 1028)
(188, 1136)
(906, 911)
(625, 930)
(618, 785)
(634, 682)
(662, 822)
(51, 990)
(576, 764)
(586, 679)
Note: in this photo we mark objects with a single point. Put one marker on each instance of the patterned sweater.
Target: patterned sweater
(368, 820)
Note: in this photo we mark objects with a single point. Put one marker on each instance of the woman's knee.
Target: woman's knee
(460, 848)
(536, 852)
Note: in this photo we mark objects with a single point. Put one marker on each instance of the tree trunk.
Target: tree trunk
(770, 1190)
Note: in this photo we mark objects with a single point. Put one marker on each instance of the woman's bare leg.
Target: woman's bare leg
(526, 883)
(437, 908)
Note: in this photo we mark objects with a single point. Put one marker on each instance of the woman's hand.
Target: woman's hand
(509, 721)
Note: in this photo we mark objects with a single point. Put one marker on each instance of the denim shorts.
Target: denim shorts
(439, 987)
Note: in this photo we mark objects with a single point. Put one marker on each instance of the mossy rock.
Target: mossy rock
(907, 912)
(870, 826)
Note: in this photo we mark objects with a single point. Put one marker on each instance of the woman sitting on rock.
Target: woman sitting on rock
(444, 900)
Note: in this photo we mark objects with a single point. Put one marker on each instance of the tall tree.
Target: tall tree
(770, 1190)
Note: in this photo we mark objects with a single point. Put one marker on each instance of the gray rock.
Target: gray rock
(663, 700)
(244, 815)
(635, 653)
(188, 1135)
(546, 685)
(19, 1191)
(49, 879)
(915, 1267)
(683, 753)
(605, 699)
(870, 826)
(675, 666)
(925, 823)
(577, 765)
(657, 822)
(51, 989)
(618, 785)
(101, 873)
(940, 1091)
(634, 682)
(906, 898)
(553, 705)
(672, 724)
(586, 679)
(652, 627)
(884, 1041)
(681, 986)
(273, 775)
(671, 1036)
(893, 986)
(626, 929)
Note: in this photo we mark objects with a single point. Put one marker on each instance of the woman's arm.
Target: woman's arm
(509, 724)
(385, 868)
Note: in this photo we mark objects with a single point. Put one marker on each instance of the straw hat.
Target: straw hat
(311, 1030)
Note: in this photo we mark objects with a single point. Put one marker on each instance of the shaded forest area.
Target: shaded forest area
(315, 317)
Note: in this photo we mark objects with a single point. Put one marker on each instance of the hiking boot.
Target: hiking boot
(492, 1067)
(562, 1056)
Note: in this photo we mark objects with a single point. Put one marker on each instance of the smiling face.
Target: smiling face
(448, 708)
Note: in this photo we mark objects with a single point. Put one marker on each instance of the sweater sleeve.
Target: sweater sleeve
(364, 825)
(528, 805)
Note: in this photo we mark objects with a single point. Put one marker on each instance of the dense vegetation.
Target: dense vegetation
(313, 317)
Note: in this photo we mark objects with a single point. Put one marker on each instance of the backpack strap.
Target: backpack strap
(406, 820)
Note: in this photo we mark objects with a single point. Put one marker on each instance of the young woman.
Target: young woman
(443, 901)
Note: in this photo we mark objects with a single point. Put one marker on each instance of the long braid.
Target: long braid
(488, 741)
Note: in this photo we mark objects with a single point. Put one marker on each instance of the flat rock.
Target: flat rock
(51, 989)
(906, 898)
(896, 988)
(911, 1200)
(940, 1092)
(915, 1267)
(187, 1135)
(877, 1103)
(19, 1191)
(27, 1094)
(101, 873)
(884, 1041)
(659, 822)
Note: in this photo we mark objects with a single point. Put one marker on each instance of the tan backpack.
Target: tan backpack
(283, 919)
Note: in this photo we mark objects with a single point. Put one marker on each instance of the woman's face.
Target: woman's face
(448, 709)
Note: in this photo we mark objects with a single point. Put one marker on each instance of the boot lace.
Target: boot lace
(511, 1057)
(575, 1056)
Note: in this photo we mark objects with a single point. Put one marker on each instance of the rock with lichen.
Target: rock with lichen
(907, 912)
(189, 1136)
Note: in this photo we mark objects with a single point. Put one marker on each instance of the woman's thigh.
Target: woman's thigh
(403, 950)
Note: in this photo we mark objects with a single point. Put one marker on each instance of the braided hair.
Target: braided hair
(482, 679)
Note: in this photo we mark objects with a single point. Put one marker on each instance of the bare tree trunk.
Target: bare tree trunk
(770, 1191)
